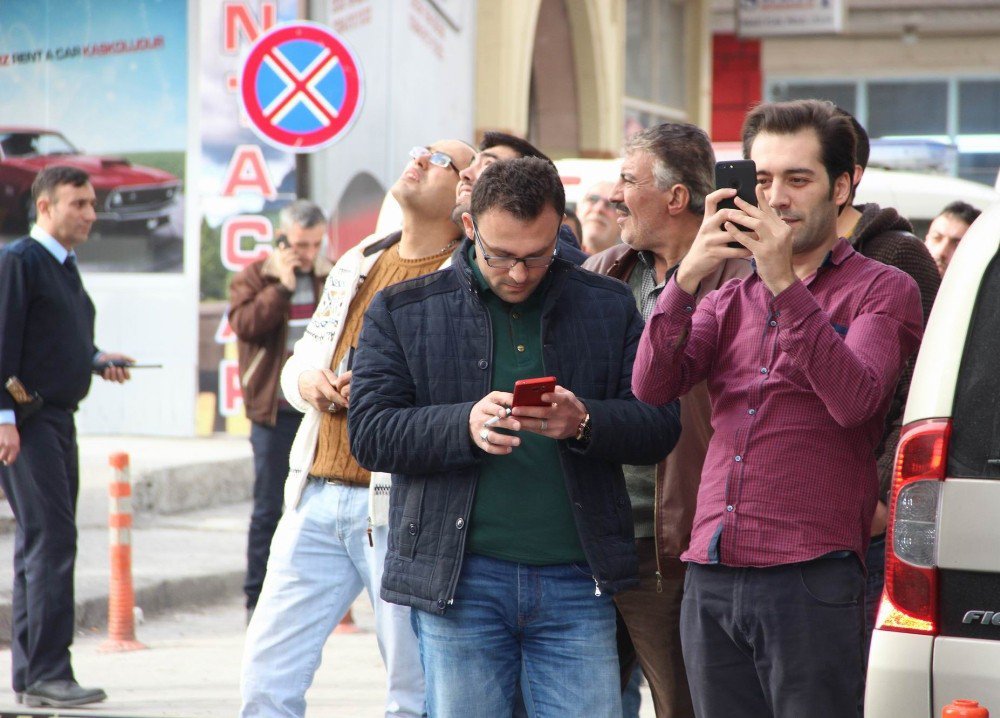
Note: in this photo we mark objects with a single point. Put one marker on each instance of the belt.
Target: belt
(331, 480)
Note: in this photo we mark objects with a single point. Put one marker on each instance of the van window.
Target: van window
(975, 442)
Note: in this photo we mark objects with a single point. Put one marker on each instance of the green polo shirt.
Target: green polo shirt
(521, 510)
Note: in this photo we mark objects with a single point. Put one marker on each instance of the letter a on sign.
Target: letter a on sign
(247, 171)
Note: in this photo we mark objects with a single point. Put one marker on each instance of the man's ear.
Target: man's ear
(42, 204)
(842, 188)
(678, 199)
(467, 224)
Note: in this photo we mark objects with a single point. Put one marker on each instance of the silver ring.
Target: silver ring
(333, 408)
(545, 425)
(484, 434)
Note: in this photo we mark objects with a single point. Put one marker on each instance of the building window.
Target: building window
(961, 111)
(907, 108)
(655, 88)
(841, 94)
(979, 107)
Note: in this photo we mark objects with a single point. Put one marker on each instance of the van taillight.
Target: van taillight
(909, 603)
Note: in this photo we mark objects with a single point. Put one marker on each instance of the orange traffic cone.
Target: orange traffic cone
(964, 709)
(121, 596)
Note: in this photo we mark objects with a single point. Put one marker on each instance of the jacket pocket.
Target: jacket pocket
(409, 526)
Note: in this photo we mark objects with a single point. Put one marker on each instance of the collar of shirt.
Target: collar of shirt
(51, 244)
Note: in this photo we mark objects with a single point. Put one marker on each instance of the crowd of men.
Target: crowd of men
(701, 493)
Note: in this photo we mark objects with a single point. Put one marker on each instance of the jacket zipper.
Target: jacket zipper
(453, 583)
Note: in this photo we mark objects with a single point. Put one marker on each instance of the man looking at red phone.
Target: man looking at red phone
(801, 359)
(510, 527)
(270, 303)
(660, 202)
(330, 544)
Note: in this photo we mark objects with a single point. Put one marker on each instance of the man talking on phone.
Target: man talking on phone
(270, 303)
(801, 359)
(510, 525)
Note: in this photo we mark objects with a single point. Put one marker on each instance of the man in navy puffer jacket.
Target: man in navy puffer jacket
(508, 538)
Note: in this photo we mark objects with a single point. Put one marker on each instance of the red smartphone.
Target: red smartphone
(528, 392)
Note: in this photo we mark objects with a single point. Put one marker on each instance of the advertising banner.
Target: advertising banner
(104, 91)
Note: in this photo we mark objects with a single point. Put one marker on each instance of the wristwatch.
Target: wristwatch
(583, 430)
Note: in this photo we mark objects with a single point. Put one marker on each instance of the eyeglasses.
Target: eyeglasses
(596, 198)
(511, 262)
(435, 157)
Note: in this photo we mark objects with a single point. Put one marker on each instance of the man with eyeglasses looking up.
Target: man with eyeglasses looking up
(599, 219)
(327, 548)
(510, 528)
(497, 146)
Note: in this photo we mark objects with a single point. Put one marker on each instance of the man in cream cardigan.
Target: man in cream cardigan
(327, 547)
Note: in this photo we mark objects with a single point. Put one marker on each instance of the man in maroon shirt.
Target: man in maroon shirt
(801, 360)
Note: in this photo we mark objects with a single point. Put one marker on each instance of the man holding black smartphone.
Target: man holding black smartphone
(47, 355)
(660, 202)
(510, 525)
(270, 303)
(801, 359)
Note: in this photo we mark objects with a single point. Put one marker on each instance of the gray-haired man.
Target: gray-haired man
(271, 302)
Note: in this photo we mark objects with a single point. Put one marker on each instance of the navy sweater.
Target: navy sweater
(46, 326)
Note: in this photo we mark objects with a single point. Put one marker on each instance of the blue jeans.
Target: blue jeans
(320, 562)
(542, 624)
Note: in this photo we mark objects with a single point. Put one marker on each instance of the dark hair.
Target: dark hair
(962, 211)
(861, 153)
(524, 148)
(573, 220)
(54, 175)
(523, 187)
(837, 139)
(682, 155)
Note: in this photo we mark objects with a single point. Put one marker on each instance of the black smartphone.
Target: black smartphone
(740, 175)
(281, 241)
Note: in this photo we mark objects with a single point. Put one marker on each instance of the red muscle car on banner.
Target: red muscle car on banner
(129, 196)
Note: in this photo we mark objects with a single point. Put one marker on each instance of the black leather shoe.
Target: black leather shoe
(61, 694)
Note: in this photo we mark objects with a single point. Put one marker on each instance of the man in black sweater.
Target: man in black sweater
(47, 342)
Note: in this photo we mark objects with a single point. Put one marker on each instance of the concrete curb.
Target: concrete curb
(178, 489)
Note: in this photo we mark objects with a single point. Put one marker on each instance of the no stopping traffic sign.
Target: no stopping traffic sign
(301, 87)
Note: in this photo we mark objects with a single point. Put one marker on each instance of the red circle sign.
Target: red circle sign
(301, 87)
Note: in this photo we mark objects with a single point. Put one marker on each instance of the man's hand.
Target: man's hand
(343, 385)
(710, 245)
(285, 262)
(772, 244)
(560, 420)
(495, 405)
(117, 374)
(318, 388)
(10, 444)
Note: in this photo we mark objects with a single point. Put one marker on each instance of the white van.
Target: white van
(937, 637)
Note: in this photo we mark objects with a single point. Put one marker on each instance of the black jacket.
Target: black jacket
(423, 361)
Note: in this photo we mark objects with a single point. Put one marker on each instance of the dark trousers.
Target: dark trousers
(786, 641)
(42, 487)
(875, 563)
(271, 446)
(652, 619)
